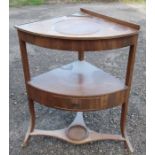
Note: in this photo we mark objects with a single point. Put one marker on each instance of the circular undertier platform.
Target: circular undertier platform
(77, 132)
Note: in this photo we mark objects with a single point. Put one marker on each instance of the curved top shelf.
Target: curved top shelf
(86, 25)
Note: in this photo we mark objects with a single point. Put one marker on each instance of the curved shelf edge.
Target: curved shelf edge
(78, 86)
(88, 103)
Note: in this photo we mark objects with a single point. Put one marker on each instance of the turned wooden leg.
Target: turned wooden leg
(32, 121)
(123, 126)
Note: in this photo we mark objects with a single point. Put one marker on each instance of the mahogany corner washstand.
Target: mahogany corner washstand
(79, 86)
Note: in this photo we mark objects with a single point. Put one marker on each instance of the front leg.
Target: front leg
(123, 126)
(32, 121)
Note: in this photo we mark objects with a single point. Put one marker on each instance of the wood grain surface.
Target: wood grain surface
(79, 86)
(91, 26)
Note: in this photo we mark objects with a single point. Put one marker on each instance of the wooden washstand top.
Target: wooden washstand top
(86, 25)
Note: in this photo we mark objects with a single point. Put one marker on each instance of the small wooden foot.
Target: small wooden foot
(128, 144)
(27, 137)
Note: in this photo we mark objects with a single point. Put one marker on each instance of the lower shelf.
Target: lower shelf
(78, 133)
(92, 136)
(77, 86)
